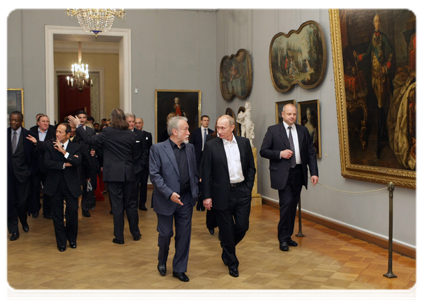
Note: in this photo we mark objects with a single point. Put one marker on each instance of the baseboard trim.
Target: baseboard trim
(367, 237)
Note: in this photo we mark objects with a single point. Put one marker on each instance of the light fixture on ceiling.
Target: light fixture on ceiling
(96, 20)
(80, 77)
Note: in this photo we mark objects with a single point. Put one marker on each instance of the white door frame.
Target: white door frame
(125, 97)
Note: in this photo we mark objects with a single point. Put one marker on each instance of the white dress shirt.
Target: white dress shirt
(295, 140)
(234, 160)
(42, 135)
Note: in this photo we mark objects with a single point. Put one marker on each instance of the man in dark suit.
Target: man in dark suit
(118, 144)
(175, 179)
(43, 133)
(20, 171)
(139, 124)
(290, 149)
(199, 138)
(85, 205)
(140, 154)
(61, 160)
(228, 172)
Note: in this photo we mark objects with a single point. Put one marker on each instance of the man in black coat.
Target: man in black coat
(290, 150)
(199, 137)
(43, 133)
(62, 159)
(20, 172)
(140, 154)
(228, 173)
(118, 170)
(139, 124)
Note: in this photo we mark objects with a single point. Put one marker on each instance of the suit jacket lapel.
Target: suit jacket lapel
(241, 152)
(283, 135)
(222, 153)
(300, 134)
(169, 152)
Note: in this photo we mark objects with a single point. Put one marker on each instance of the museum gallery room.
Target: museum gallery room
(350, 75)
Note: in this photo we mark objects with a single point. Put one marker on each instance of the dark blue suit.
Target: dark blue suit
(164, 174)
(197, 140)
(288, 181)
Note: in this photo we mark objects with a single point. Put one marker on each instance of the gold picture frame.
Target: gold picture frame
(360, 142)
(279, 107)
(308, 115)
(15, 102)
(190, 107)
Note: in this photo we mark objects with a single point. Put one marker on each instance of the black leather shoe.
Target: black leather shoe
(224, 259)
(25, 227)
(61, 249)
(143, 208)
(284, 246)
(14, 236)
(292, 243)
(234, 272)
(116, 241)
(181, 276)
(36, 214)
(72, 245)
(162, 269)
(85, 213)
(137, 238)
(211, 230)
(111, 212)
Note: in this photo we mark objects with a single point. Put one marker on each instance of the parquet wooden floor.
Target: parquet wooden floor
(325, 259)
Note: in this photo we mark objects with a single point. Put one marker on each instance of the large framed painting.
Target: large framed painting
(15, 101)
(231, 113)
(308, 115)
(186, 103)
(279, 107)
(374, 57)
(298, 57)
(236, 75)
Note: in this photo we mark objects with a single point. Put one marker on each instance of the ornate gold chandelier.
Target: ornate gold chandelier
(96, 20)
(80, 78)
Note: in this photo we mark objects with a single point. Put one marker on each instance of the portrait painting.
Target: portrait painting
(298, 57)
(236, 75)
(374, 54)
(279, 107)
(15, 102)
(185, 103)
(308, 115)
(231, 113)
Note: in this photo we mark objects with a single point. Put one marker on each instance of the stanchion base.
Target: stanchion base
(390, 275)
(300, 234)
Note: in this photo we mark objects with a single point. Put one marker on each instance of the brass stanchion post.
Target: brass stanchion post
(391, 188)
(300, 225)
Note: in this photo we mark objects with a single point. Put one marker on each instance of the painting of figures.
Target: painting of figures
(235, 75)
(374, 54)
(298, 57)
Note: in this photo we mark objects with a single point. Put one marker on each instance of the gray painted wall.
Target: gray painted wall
(253, 30)
(171, 49)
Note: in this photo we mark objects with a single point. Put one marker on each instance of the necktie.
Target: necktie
(204, 137)
(291, 145)
(14, 141)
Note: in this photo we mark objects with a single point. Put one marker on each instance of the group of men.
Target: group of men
(58, 161)
(218, 171)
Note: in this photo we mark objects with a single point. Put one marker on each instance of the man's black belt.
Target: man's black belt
(236, 184)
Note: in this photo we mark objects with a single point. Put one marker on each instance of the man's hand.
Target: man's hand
(74, 120)
(207, 203)
(32, 139)
(314, 180)
(286, 154)
(67, 164)
(58, 147)
(175, 198)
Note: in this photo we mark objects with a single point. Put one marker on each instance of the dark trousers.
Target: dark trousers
(22, 190)
(183, 218)
(120, 198)
(233, 222)
(143, 187)
(288, 201)
(40, 179)
(69, 231)
(136, 188)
